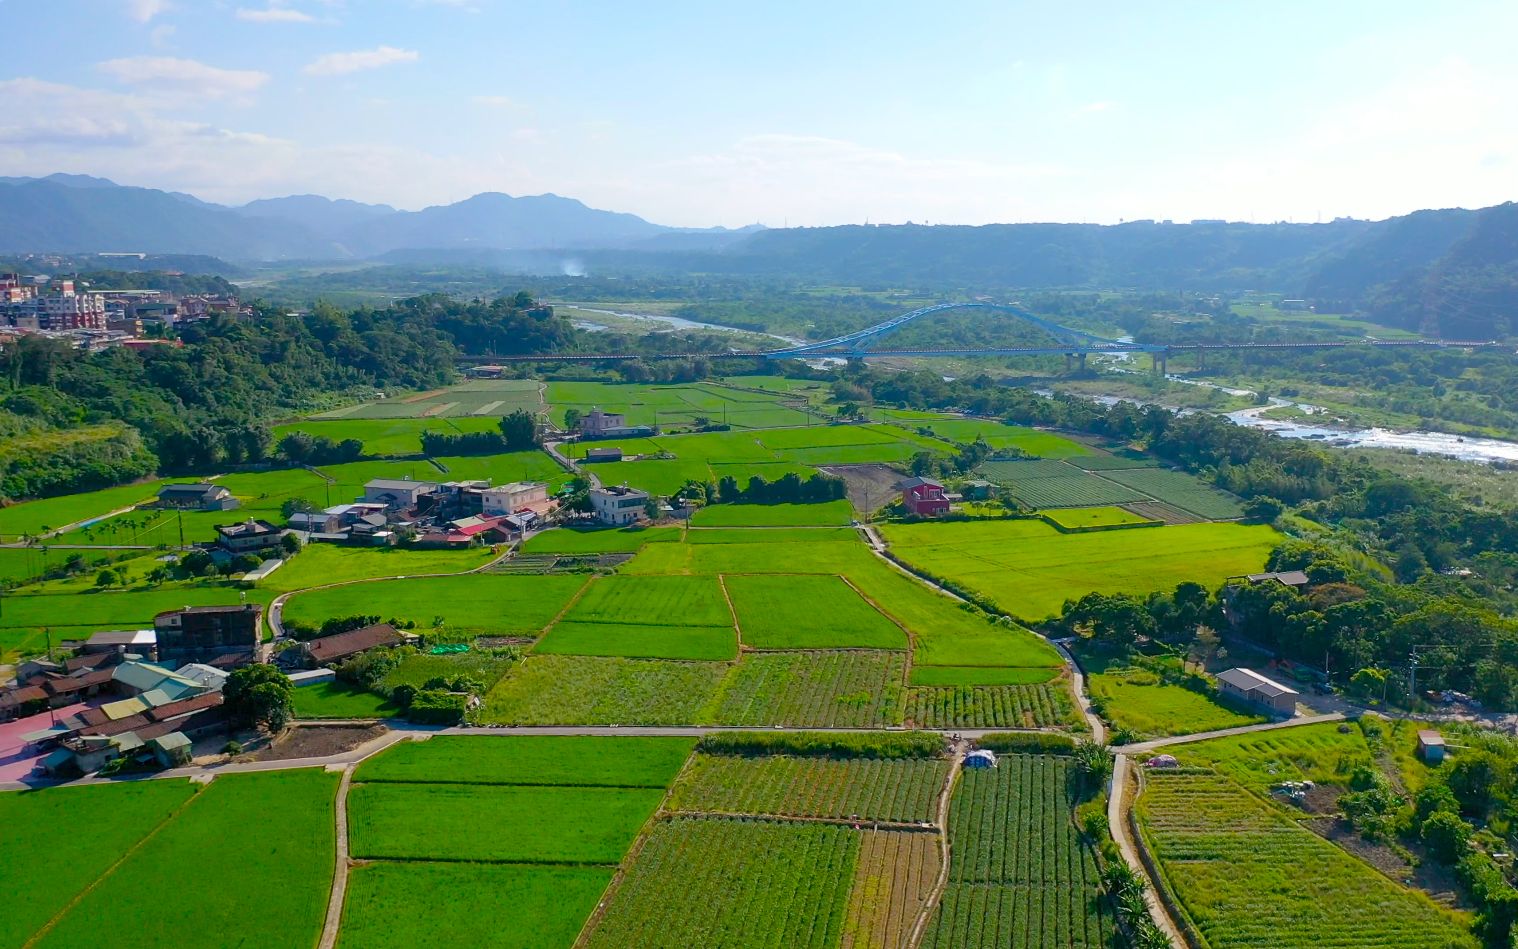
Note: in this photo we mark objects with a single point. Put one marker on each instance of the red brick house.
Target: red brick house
(924, 497)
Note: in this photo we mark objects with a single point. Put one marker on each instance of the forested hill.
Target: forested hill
(71, 420)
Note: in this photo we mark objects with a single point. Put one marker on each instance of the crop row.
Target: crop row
(996, 916)
(1003, 706)
(870, 789)
(739, 883)
(893, 879)
(1182, 490)
(812, 689)
(1249, 875)
(1076, 490)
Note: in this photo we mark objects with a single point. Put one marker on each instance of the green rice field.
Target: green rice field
(386, 437)
(653, 601)
(1030, 569)
(577, 760)
(818, 689)
(320, 564)
(596, 690)
(676, 405)
(828, 513)
(808, 612)
(339, 700)
(482, 604)
(479, 397)
(598, 541)
(998, 435)
(1085, 518)
(647, 641)
(213, 842)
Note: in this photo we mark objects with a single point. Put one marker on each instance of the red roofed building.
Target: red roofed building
(923, 497)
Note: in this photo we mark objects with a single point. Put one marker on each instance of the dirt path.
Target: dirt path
(925, 916)
(340, 871)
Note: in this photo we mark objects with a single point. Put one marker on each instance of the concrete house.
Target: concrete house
(511, 498)
(203, 496)
(248, 537)
(395, 495)
(598, 424)
(923, 497)
(215, 635)
(1249, 686)
(618, 504)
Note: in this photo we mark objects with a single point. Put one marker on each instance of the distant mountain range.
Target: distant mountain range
(81, 214)
(1449, 272)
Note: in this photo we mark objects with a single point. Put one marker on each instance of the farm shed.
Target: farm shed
(344, 645)
(1295, 579)
(980, 758)
(1430, 746)
(171, 750)
(1249, 686)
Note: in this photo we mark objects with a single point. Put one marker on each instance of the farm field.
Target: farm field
(478, 397)
(1117, 461)
(1030, 569)
(1020, 874)
(808, 612)
(579, 760)
(903, 790)
(115, 609)
(383, 438)
(39, 887)
(653, 601)
(1072, 490)
(339, 700)
(319, 564)
(675, 404)
(772, 535)
(533, 602)
(486, 905)
(648, 641)
(733, 883)
(1046, 705)
(812, 689)
(461, 822)
(1320, 753)
(1139, 701)
(483, 666)
(825, 514)
(594, 690)
(997, 434)
(1248, 875)
(598, 541)
(894, 877)
(1184, 491)
(291, 869)
(37, 517)
(1076, 518)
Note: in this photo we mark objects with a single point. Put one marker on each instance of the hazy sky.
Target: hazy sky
(701, 113)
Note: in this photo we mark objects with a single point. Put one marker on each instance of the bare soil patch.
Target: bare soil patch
(870, 487)
(316, 741)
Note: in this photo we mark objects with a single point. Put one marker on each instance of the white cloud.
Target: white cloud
(274, 14)
(170, 74)
(338, 64)
(144, 10)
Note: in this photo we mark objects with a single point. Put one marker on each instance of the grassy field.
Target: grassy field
(115, 609)
(1320, 753)
(40, 886)
(733, 883)
(319, 564)
(484, 905)
(998, 435)
(1020, 874)
(651, 641)
(393, 436)
(340, 700)
(1184, 491)
(808, 612)
(1076, 518)
(675, 405)
(478, 397)
(812, 689)
(484, 604)
(578, 760)
(778, 785)
(1248, 875)
(481, 666)
(463, 822)
(653, 601)
(36, 517)
(593, 690)
(598, 541)
(1142, 703)
(220, 846)
(829, 513)
(772, 535)
(1030, 569)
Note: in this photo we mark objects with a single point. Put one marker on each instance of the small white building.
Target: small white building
(981, 758)
(618, 504)
(511, 498)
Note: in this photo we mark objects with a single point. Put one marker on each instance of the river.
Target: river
(672, 322)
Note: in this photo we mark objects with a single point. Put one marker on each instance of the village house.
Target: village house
(202, 496)
(1295, 579)
(315, 522)
(330, 649)
(137, 642)
(618, 504)
(1249, 686)
(248, 537)
(215, 635)
(511, 498)
(923, 497)
(598, 424)
(397, 495)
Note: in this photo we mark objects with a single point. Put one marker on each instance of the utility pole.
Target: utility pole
(181, 528)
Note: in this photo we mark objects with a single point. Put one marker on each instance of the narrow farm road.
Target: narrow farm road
(1144, 747)
(340, 871)
(1117, 821)
(1078, 683)
(925, 916)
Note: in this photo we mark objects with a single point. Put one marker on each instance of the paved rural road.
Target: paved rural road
(1144, 747)
(1117, 823)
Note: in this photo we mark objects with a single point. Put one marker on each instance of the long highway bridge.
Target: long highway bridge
(1068, 342)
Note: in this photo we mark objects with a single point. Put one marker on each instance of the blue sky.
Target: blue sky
(780, 112)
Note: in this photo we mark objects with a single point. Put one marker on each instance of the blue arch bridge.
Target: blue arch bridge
(1075, 345)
